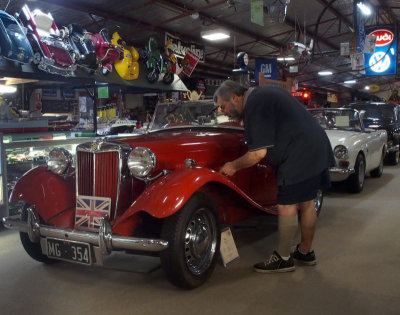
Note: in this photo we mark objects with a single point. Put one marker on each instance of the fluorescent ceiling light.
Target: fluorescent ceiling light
(325, 73)
(350, 82)
(367, 87)
(4, 89)
(285, 59)
(215, 34)
(364, 8)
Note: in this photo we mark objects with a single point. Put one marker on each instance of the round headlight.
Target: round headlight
(59, 162)
(141, 162)
(341, 152)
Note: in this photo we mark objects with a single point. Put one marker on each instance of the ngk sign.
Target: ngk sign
(384, 59)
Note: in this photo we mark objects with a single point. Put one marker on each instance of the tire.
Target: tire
(393, 158)
(152, 76)
(355, 182)
(168, 78)
(379, 170)
(33, 249)
(194, 240)
(318, 202)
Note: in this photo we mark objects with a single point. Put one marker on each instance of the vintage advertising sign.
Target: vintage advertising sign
(180, 48)
(266, 66)
(189, 62)
(383, 60)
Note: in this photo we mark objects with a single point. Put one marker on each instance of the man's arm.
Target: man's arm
(247, 160)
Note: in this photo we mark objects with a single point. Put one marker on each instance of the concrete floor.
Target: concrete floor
(357, 246)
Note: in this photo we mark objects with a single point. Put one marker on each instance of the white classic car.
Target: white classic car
(358, 150)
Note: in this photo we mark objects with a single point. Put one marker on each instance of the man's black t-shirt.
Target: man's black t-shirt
(296, 144)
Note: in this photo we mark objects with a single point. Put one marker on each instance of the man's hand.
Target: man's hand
(228, 169)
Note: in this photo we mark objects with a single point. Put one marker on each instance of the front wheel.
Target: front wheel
(194, 240)
(152, 76)
(33, 249)
(356, 181)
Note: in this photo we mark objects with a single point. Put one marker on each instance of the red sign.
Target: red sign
(383, 37)
(189, 63)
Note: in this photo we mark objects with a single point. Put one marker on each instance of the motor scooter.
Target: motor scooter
(156, 63)
(106, 52)
(14, 45)
(81, 42)
(128, 66)
(51, 52)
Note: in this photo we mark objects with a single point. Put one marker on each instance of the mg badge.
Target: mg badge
(94, 146)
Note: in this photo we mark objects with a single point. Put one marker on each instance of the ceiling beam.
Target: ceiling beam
(339, 15)
(229, 26)
(389, 11)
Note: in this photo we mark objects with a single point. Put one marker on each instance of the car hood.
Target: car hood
(342, 137)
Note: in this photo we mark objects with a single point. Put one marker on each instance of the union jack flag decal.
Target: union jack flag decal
(89, 210)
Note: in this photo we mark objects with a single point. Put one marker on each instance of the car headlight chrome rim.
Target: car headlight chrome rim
(60, 161)
(341, 152)
(141, 162)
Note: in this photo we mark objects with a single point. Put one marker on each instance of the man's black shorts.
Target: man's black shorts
(303, 191)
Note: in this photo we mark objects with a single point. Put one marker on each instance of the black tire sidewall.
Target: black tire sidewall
(174, 228)
(353, 181)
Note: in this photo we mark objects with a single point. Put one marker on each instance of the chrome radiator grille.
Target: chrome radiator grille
(98, 175)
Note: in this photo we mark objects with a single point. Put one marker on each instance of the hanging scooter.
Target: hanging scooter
(106, 52)
(51, 52)
(13, 42)
(83, 46)
(156, 63)
(127, 67)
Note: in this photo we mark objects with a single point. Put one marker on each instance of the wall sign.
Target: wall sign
(383, 60)
(180, 48)
(266, 66)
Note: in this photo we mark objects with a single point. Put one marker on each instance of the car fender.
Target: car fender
(50, 193)
(167, 195)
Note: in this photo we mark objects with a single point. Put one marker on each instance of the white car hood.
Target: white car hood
(346, 138)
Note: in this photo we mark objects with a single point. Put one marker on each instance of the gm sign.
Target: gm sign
(384, 60)
(266, 66)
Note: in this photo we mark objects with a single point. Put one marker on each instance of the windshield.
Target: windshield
(181, 114)
(375, 112)
(340, 119)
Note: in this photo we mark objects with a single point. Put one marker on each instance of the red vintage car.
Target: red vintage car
(158, 192)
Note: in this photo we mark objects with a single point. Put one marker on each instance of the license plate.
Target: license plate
(69, 251)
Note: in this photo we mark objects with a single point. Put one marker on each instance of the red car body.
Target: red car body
(179, 206)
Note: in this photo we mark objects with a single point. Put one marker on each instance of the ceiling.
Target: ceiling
(329, 22)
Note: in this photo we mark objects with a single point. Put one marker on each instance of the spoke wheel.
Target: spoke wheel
(194, 238)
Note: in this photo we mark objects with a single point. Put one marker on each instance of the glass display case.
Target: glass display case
(18, 157)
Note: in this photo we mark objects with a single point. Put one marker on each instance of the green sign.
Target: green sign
(102, 92)
(257, 12)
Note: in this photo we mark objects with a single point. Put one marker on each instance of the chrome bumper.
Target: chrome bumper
(104, 240)
(393, 148)
(338, 170)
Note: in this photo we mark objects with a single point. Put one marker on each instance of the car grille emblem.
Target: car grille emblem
(94, 146)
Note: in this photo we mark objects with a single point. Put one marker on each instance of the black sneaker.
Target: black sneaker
(307, 259)
(275, 263)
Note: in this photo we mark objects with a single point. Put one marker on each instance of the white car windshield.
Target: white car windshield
(336, 118)
(184, 114)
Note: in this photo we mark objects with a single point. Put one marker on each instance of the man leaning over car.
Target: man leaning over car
(279, 129)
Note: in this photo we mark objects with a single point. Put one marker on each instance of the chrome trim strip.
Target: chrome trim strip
(342, 170)
(393, 148)
(104, 239)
